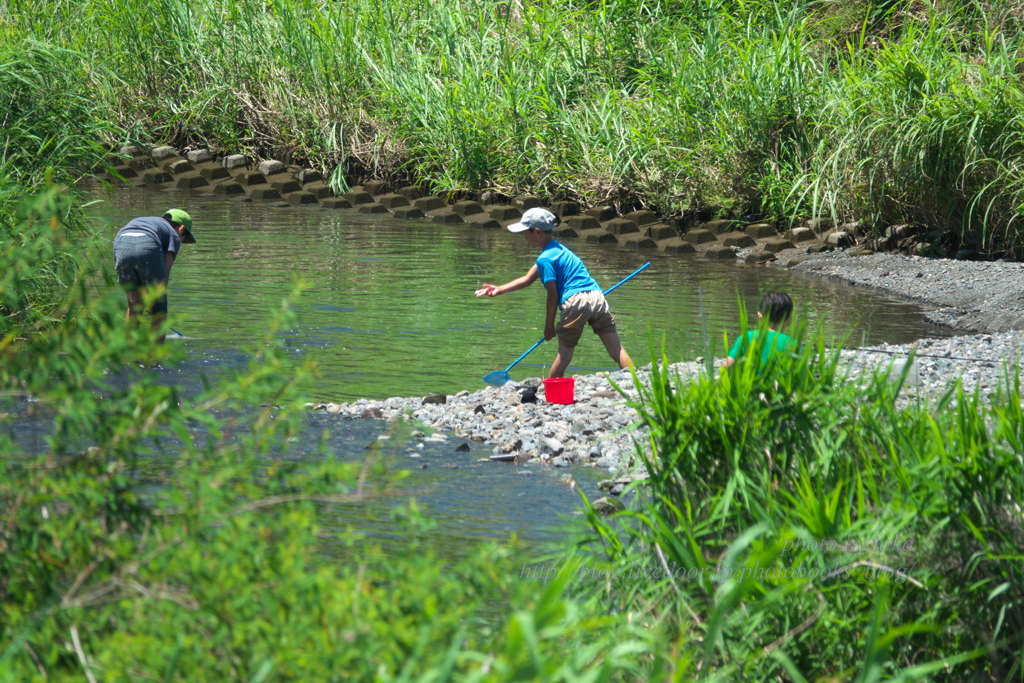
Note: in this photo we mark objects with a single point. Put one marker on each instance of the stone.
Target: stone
(603, 237)
(428, 203)
(198, 156)
(839, 239)
(739, 240)
(462, 448)
(720, 252)
(778, 244)
(602, 213)
(800, 235)
(270, 167)
(357, 197)
(641, 218)
(677, 246)
(372, 208)
(376, 187)
(214, 172)
(180, 166)
(606, 461)
(408, 212)
(484, 222)
(718, 227)
(336, 203)
(620, 226)
(162, 153)
(250, 178)
(264, 193)
(435, 399)
(526, 202)
(582, 223)
(467, 208)
(760, 231)
(301, 197)
(229, 188)
(374, 413)
(564, 209)
(660, 231)
(334, 408)
(190, 182)
(504, 213)
(607, 506)
(700, 236)
(309, 175)
(393, 201)
(553, 446)
(412, 192)
(559, 462)
(232, 161)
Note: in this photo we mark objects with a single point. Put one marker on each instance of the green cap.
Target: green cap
(181, 218)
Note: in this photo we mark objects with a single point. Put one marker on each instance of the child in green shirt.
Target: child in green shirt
(778, 307)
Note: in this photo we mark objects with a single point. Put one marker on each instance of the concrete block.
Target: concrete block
(526, 202)
(446, 217)
(286, 186)
(319, 190)
(233, 161)
(412, 192)
(428, 203)
(637, 241)
(739, 240)
(641, 218)
(125, 172)
(565, 232)
(601, 237)
(336, 203)
(301, 197)
(408, 212)
(778, 244)
(163, 153)
(719, 227)
(214, 172)
(800, 235)
(372, 208)
(309, 175)
(720, 252)
(602, 213)
(229, 188)
(758, 256)
(760, 231)
(820, 248)
(677, 246)
(582, 223)
(180, 166)
(700, 236)
(467, 208)
(154, 176)
(264, 193)
(393, 201)
(376, 187)
(250, 178)
(484, 222)
(505, 213)
(190, 182)
(357, 197)
(620, 226)
(564, 209)
(660, 231)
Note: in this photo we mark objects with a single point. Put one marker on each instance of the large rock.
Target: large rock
(437, 399)
(198, 156)
(235, 161)
(270, 167)
(607, 506)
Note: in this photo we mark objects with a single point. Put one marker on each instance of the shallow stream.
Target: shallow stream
(390, 311)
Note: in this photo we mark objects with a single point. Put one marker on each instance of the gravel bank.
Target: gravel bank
(969, 296)
(600, 428)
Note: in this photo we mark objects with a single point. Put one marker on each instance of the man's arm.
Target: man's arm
(168, 262)
(549, 321)
(511, 286)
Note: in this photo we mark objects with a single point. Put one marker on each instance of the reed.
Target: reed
(884, 112)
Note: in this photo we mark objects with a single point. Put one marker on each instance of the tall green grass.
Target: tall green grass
(884, 112)
(888, 533)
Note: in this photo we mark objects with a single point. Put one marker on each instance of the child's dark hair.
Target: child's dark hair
(776, 306)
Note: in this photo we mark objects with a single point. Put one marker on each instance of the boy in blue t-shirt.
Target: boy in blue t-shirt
(570, 290)
(778, 307)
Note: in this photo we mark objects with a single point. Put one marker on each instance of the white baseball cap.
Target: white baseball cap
(538, 218)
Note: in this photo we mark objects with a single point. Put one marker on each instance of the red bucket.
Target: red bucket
(560, 390)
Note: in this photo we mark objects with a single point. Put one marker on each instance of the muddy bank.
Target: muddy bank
(968, 296)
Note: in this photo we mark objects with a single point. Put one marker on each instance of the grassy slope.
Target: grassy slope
(880, 111)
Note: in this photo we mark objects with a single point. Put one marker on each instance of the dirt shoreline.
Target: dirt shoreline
(970, 296)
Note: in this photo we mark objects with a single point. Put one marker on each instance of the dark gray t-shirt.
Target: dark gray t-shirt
(158, 229)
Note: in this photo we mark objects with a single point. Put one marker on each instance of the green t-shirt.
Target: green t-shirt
(775, 342)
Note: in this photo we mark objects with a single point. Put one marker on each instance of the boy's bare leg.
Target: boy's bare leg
(562, 360)
(615, 350)
(134, 306)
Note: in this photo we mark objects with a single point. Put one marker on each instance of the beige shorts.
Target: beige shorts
(579, 310)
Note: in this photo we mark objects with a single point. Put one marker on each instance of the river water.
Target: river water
(390, 311)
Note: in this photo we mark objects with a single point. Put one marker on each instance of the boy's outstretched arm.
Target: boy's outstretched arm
(511, 286)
